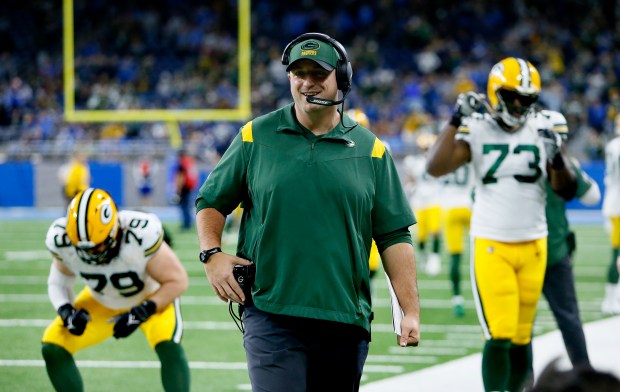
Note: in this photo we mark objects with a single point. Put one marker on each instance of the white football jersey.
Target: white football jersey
(510, 171)
(457, 187)
(611, 200)
(424, 191)
(122, 283)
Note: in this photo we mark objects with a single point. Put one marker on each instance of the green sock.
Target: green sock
(496, 364)
(436, 244)
(520, 365)
(612, 270)
(529, 378)
(61, 368)
(174, 367)
(455, 273)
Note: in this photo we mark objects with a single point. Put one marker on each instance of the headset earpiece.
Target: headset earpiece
(344, 70)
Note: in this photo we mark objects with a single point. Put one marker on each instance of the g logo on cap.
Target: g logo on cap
(311, 45)
(344, 71)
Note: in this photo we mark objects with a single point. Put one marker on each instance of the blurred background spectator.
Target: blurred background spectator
(410, 59)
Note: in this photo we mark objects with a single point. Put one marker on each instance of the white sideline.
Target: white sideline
(464, 374)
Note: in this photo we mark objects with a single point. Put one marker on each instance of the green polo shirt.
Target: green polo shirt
(557, 222)
(311, 205)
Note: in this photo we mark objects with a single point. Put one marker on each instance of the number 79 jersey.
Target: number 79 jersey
(124, 282)
(510, 171)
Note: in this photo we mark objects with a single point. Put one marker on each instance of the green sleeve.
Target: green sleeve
(226, 186)
(391, 209)
(384, 241)
(584, 182)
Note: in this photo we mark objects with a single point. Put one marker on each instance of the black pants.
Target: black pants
(559, 289)
(294, 354)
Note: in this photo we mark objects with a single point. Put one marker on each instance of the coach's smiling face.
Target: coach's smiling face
(309, 79)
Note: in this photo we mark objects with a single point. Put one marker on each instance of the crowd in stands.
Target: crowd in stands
(410, 58)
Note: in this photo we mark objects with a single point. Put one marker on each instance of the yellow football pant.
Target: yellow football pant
(507, 280)
(614, 232)
(162, 326)
(455, 224)
(429, 222)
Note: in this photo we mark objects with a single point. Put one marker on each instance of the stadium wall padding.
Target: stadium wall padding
(18, 184)
(28, 184)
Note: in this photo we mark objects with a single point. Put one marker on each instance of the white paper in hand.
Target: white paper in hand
(397, 312)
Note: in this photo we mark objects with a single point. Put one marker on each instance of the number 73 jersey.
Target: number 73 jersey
(123, 282)
(510, 171)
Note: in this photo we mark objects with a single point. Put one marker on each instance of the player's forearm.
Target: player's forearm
(442, 157)
(166, 268)
(210, 225)
(168, 292)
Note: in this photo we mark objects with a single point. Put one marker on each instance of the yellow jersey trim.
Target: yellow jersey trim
(156, 246)
(246, 133)
(463, 129)
(378, 149)
(561, 129)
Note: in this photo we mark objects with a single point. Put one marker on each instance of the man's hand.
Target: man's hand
(466, 104)
(128, 322)
(74, 319)
(219, 271)
(410, 329)
(552, 142)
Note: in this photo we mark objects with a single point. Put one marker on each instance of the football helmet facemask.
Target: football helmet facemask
(92, 226)
(513, 89)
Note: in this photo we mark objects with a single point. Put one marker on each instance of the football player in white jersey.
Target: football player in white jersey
(512, 154)
(611, 211)
(559, 283)
(132, 280)
(456, 195)
(423, 190)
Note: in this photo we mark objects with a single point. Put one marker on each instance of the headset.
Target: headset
(344, 71)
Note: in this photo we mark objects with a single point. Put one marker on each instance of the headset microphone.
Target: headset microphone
(324, 102)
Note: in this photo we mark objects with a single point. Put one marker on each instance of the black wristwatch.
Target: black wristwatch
(205, 254)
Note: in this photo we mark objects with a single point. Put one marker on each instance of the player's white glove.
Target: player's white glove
(466, 104)
(553, 145)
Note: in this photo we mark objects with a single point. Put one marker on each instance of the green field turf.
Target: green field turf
(212, 342)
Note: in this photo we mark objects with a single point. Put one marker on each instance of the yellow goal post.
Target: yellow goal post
(240, 113)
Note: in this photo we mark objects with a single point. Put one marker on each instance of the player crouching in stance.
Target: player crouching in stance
(133, 280)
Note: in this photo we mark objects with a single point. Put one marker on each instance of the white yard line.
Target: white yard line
(464, 374)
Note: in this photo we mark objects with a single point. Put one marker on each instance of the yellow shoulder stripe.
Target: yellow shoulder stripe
(378, 149)
(246, 133)
(156, 246)
(463, 129)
